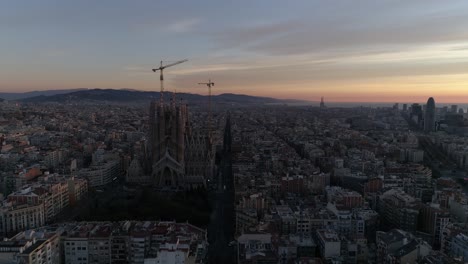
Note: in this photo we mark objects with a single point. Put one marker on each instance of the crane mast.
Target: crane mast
(161, 75)
(209, 84)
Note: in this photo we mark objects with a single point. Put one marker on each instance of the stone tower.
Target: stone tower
(167, 136)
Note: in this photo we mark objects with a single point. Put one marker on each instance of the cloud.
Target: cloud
(253, 34)
(355, 39)
(459, 48)
(246, 66)
(431, 66)
(423, 60)
(278, 75)
(353, 32)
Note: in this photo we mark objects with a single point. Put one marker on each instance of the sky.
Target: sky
(356, 51)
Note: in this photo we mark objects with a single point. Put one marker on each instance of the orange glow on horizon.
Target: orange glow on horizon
(449, 88)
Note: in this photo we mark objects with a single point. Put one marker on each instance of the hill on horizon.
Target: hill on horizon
(24, 95)
(128, 95)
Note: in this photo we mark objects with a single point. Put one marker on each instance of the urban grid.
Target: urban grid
(233, 132)
(253, 184)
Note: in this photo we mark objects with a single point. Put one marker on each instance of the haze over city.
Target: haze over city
(233, 132)
(374, 51)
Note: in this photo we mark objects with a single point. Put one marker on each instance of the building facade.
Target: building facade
(175, 157)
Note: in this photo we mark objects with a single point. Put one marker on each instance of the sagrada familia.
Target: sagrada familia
(173, 156)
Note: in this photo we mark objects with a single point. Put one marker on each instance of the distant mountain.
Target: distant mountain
(242, 98)
(19, 96)
(128, 96)
(109, 95)
(1, 99)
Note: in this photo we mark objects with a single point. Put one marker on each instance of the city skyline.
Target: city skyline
(390, 51)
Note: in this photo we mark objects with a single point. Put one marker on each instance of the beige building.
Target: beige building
(15, 218)
(42, 251)
(77, 190)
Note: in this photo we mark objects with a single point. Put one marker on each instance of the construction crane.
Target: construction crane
(161, 78)
(209, 84)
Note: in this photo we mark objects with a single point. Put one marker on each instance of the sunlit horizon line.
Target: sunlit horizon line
(328, 99)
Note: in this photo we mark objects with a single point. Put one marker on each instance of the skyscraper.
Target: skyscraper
(322, 103)
(454, 108)
(416, 113)
(429, 117)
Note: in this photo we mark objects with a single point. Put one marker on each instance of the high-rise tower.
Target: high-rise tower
(429, 117)
(454, 108)
(322, 103)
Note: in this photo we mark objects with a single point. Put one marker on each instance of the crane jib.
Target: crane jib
(161, 78)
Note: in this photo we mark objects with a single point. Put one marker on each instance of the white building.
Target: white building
(54, 158)
(251, 246)
(328, 243)
(171, 253)
(75, 250)
(107, 242)
(138, 244)
(101, 174)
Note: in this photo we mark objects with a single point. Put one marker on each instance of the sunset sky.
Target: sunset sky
(383, 51)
